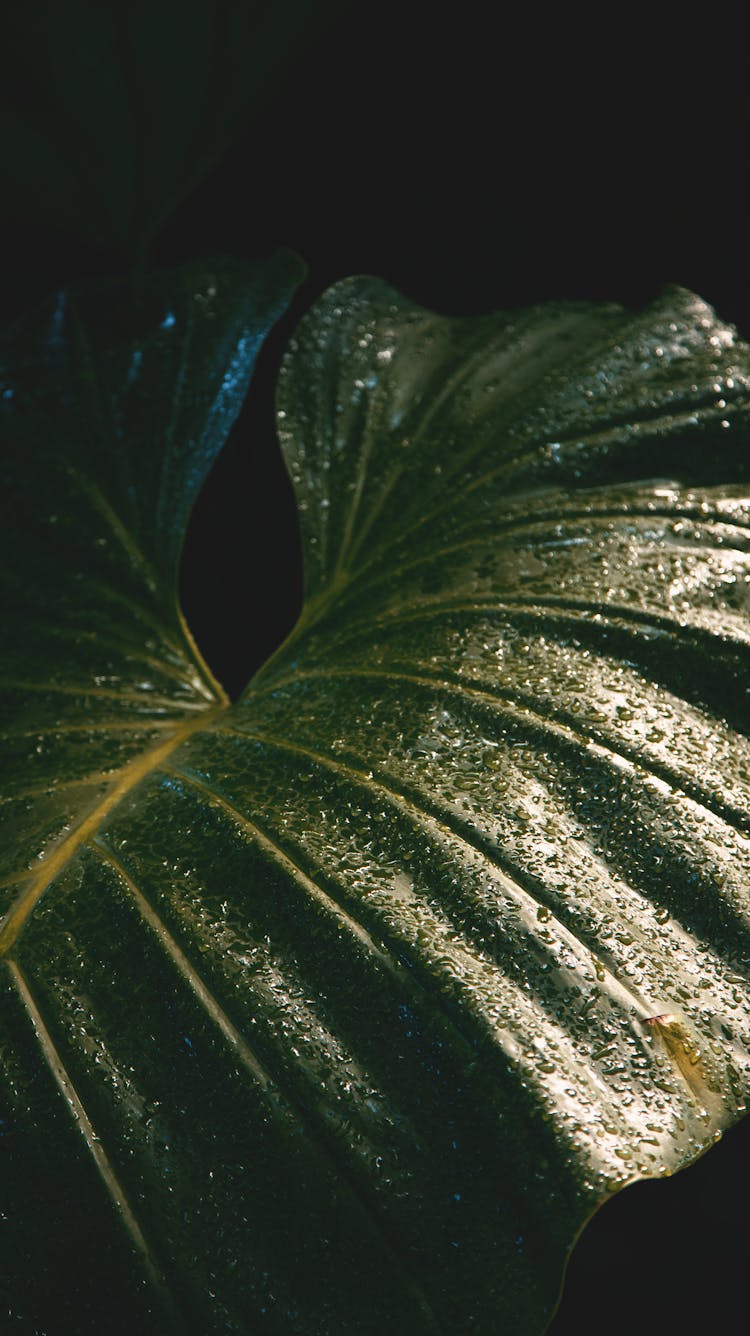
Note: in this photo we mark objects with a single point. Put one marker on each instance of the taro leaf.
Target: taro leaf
(342, 1008)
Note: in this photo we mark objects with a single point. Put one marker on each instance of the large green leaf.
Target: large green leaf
(342, 1008)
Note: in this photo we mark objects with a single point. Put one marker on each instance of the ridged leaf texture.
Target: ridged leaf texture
(342, 1008)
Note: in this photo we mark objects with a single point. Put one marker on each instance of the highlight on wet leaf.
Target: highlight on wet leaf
(346, 1005)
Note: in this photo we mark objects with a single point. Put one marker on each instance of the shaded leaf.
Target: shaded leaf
(366, 991)
(111, 116)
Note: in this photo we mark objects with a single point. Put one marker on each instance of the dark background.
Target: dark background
(475, 167)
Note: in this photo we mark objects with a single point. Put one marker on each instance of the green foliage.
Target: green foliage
(343, 1007)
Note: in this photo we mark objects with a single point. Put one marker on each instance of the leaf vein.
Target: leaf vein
(92, 1139)
(446, 829)
(562, 724)
(17, 916)
(249, 1059)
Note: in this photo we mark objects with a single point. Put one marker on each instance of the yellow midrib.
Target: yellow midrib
(23, 907)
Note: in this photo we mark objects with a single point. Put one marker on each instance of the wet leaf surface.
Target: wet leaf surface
(343, 1007)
